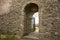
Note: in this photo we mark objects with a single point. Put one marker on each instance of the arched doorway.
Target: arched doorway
(29, 11)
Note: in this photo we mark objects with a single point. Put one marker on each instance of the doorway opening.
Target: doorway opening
(31, 23)
(35, 22)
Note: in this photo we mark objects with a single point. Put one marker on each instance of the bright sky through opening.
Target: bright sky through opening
(36, 16)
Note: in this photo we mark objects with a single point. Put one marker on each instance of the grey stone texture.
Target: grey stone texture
(13, 17)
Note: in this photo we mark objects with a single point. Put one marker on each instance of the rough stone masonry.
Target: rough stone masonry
(13, 17)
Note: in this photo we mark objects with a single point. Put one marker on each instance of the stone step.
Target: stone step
(30, 38)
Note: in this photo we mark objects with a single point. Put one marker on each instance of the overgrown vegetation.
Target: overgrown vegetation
(9, 38)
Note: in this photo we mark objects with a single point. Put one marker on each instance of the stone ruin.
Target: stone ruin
(15, 17)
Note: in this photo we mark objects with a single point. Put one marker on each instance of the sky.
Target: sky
(36, 16)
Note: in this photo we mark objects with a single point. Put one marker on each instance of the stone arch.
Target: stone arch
(29, 10)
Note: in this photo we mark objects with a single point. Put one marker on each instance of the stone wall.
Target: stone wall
(11, 21)
(50, 10)
(12, 18)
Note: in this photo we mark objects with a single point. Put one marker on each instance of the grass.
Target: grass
(37, 29)
(8, 37)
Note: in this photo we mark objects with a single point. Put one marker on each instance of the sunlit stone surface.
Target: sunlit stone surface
(5, 6)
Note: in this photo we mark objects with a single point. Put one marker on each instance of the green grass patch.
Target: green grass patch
(8, 37)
